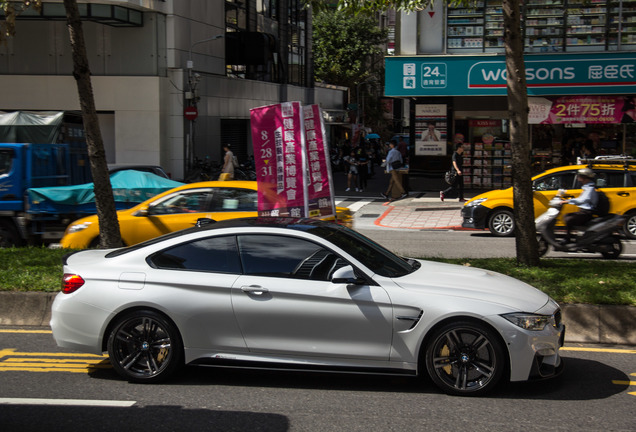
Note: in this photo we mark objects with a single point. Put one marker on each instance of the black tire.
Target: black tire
(630, 225)
(145, 347)
(543, 245)
(502, 223)
(465, 359)
(8, 236)
(616, 249)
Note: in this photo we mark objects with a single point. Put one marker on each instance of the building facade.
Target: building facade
(449, 69)
(173, 80)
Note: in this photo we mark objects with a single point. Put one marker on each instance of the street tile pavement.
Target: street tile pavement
(420, 214)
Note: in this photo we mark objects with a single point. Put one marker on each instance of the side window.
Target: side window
(610, 179)
(233, 199)
(562, 180)
(279, 256)
(185, 202)
(215, 254)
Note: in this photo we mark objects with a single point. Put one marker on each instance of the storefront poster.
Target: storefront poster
(582, 110)
(279, 148)
(319, 181)
(430, 129)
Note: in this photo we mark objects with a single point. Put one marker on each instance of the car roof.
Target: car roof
(296, 224)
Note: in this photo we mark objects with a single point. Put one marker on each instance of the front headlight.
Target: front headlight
(78, 227)
(475, 202)
(528, 321)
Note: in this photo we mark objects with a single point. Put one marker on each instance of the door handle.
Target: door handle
(254, 289)
(623, 194)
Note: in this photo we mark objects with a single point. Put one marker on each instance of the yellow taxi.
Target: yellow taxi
(177, 209)
(614, 176)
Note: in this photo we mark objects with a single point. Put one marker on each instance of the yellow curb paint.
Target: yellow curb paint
(26, 331)
(603, 350)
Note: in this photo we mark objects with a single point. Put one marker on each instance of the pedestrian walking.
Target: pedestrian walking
(227, 172)
(393, 164)
(456, 189)
(352, 171)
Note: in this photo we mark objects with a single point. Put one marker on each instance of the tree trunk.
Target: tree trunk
(526, 240)
(106, 211)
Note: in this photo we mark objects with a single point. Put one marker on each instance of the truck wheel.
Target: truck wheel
(630, 225)
(8, 236)
(501, 223)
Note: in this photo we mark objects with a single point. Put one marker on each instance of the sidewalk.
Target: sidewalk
(422, 209)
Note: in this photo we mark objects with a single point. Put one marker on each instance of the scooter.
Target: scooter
(598, 235)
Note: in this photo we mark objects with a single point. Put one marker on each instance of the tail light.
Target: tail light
(71, 283)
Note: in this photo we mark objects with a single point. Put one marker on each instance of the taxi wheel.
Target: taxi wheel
(502, 223)
(630, 225)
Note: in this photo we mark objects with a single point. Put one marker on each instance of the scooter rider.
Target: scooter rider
(586, 202)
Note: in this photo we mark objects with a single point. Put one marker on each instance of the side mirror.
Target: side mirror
(346, 275)
(142, 212)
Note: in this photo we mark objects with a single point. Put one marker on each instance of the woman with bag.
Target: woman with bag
(393, 164)
(456, 188)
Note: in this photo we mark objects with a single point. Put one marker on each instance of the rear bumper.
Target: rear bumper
(474, 216)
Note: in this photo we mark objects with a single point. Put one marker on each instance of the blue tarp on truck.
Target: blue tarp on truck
(129, 189)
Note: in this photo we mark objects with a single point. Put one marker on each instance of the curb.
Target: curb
(600, 324)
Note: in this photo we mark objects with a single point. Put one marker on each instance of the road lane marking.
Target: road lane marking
(75, 402)
(12, 360)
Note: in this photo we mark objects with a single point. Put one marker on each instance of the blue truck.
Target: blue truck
(38, 149)
(45, 179)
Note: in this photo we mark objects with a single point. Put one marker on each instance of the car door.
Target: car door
(182, 210)
(193, 280)
(286, 305)
(168, 214)
(546, 187)
(617, 186)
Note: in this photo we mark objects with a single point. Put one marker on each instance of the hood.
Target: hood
(473, 283)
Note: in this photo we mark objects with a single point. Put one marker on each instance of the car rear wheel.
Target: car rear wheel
(615, 249)
(502, 223)
(630, 225)
(543, 245)
(145, 347)
(465, 358)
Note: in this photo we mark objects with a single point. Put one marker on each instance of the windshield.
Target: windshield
(365, 250)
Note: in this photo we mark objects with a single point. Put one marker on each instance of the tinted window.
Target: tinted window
(279, 256)
(216, 254)
(184, 202)
(231, 199)
(562, 180)
(610, 179)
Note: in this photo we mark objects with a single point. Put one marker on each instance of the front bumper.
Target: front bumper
(474, 216)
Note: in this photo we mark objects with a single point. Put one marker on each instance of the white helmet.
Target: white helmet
(587, 172)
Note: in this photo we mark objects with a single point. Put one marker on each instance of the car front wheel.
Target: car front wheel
(502, 223)
(144, 347)
(465, 358)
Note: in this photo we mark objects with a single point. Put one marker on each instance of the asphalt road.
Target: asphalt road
(44, 388)
(465, 244)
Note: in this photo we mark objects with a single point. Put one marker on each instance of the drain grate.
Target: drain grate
(370, 215)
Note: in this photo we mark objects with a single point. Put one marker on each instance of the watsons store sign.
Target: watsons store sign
(571, 74)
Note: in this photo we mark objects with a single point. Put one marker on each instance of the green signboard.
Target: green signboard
(485, 75)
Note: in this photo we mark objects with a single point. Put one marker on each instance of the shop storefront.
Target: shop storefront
(578, 108)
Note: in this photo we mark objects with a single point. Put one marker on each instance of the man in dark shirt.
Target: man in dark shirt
(457, 188)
